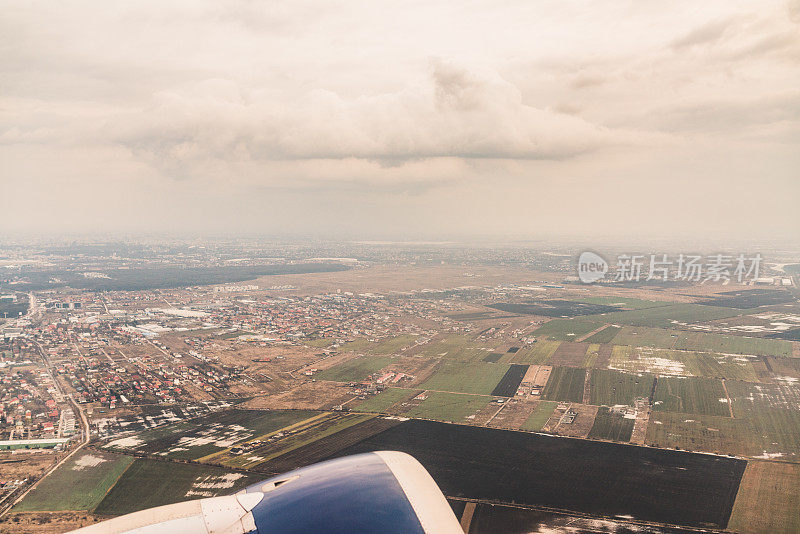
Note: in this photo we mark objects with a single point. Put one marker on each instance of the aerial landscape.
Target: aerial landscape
(519, 267)
(532, 398)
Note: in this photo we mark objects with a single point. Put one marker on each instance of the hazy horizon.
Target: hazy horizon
(625, 120)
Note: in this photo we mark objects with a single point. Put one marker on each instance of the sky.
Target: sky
(538, 118)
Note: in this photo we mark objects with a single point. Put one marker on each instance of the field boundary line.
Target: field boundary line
(728, 397)
(133, 459)
(593, 332)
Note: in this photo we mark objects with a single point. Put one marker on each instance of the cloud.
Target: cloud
(706, 34)
(457, 114)
(205, 107)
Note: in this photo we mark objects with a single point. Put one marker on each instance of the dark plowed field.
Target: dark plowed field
(491, 519)
(553, 308)
(593, 477)
(508, 385)
(570, 354)
(750, 298)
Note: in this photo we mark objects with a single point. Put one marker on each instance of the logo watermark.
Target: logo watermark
(591, 267)
(719, 268)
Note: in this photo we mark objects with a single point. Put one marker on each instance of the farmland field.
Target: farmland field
(752, 400)
(536, 353)
(540, 415)
(570, 474)
(718, 366)
(88, 475)
(291, 438)
(666, 316)
(750, 298)
(624, 302)
(319, 343)
(605, 335)
(356, 369)
(394, 345)
(772, 435)
(646, 337)
(462, 377)
(310, 452)
(612, 387)
(149, 483)
(567, 329)
(448, 406)
(496, 518)
(703, 396)
(508, 385)
(384, 400)
(452, 346)
(610, 425)
(683, 363)
(768, 499)
(571, 354)
(565, 384)
(389, 345)
(553, 308)
(721, 343)
(208, 434)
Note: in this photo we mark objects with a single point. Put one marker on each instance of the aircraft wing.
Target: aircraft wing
(378, 492)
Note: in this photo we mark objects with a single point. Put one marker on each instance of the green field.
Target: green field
(611, 426)
(540, 415)
(752, 400)
(454, 347)
(606, 335)
(768, 500)
(623, 302)
(773, 435)
(690, 395)
(701, 342)
(536, 353)
(393, 345)
(357, 369)
(384, 400)
(462, 377)
(646, 337)
(390, 345)
(721, 343)
(449, 406)
(682, 363)
(319, 343)
(80, 484)
(148, 483)
(718, 366)
(668, 315)
(612, 387)
(567, 329)
(565, 384)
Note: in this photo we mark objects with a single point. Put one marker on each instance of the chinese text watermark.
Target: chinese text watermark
(719, 268)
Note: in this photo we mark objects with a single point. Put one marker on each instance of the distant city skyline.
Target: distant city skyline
(621, 119)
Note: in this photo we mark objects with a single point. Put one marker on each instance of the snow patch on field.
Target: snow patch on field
(87, 460)
(204, 486)
(769, 455)
(650, 364)
(125, 443)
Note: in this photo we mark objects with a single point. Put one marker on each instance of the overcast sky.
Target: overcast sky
(538, 118)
